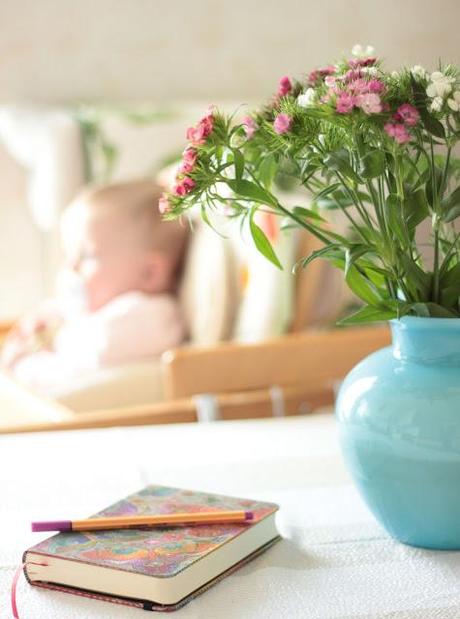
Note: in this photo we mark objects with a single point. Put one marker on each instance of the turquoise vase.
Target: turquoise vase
(399, 419)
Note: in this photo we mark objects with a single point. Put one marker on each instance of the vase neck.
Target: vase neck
(427, 340)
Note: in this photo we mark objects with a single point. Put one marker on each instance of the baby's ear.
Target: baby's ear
(156, 273)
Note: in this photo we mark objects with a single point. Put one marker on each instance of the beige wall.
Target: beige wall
(203, 49)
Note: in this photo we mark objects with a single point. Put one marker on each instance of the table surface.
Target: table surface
(334, 562)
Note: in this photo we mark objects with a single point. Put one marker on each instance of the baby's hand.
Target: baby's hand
(19, 342)
(26, 337)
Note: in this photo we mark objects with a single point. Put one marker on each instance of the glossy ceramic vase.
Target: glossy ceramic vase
(399, 420)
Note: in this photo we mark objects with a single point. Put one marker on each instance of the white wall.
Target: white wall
(203, 49)
(179, 50)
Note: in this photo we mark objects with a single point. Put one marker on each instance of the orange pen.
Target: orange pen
(153, 520)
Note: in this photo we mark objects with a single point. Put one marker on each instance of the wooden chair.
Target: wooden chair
(290, 375)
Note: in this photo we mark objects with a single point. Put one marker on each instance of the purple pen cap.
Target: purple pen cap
(51, 525)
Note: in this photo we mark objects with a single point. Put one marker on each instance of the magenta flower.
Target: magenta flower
(249, 126)
(189, 158)
(353, 74)
(198, 135)
(358, 87)
(163, 204)
(362, 62)
(408, 114)
(398, 132)
(282, 123)
(184, 186)
(317, 73)
(369, 103)
(285, 86)
(345, 103)
(376, 86)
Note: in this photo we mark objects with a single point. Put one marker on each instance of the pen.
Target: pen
(156, 520)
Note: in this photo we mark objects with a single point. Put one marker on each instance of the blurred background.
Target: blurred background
(104, 91)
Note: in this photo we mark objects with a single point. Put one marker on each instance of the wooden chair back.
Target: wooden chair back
(287, 376)
(316, 358)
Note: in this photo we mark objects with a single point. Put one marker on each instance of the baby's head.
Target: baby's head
(115, 240)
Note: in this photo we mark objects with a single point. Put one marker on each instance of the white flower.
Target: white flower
(371, 71)
(436, 104)
(419, 71)
(307, 99)
(330, 81)
(362, 52)
(454, 103)
(440, 85)
(394, 75)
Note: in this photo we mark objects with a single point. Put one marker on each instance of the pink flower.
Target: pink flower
(345, 103)
(408, 114)
(362, 62)
(359, 86)
(197, 135)
(398, 132)
(376, 86)
(369, 103)
(185, 186)
(317, 73)
(285, 86)
(329, 70)
(163, 204)
(282, 123)
(330, 81)
(353, 74)
(249, 126)
(189, 158)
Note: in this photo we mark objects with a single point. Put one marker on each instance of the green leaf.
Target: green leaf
(362, 287)
(238, 159)
(451, 206)
(327, 190)
(430, 188)
(431, 124)
(247, 189)
(368, 314)
(451, 277)
(452, 214)
(339, 199)
(415, 275)
(330, 252)
(267, 170)
(395, 217)
(261, 241)
(372, 164)
(450, 295)
(353, 254)
(339, 161)
(307, 213)
(431, 310)
(415, 208)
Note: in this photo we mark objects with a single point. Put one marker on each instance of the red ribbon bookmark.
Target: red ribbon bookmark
(14, 586)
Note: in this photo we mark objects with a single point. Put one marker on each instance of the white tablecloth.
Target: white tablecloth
(334, 561)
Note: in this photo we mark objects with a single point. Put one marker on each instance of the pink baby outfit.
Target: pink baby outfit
(131, 328)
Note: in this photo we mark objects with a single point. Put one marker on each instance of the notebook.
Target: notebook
(157, 568)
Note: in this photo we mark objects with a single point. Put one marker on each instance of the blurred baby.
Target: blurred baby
(115, 301)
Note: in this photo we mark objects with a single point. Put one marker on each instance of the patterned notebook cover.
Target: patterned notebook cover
(159, 552)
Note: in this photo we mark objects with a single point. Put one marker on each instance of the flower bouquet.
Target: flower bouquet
(376, 145)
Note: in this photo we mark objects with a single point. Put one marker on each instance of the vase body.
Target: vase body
(399, 419)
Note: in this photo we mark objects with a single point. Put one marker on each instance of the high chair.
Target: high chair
(229, 369)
